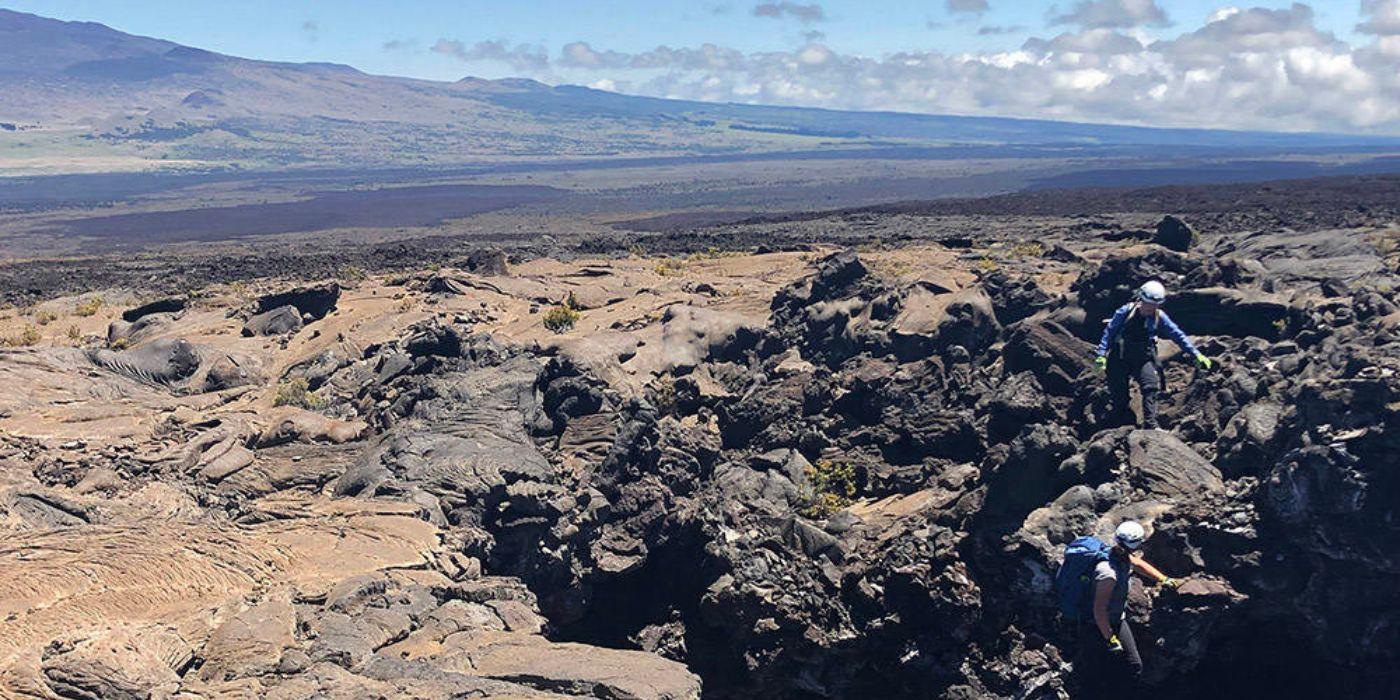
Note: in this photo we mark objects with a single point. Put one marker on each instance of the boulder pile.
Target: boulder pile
(868, 496)
(859, 487)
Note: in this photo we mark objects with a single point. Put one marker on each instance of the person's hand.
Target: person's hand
(1171, 583)
(1100, 363)
(1203, 362)
(1114, 646)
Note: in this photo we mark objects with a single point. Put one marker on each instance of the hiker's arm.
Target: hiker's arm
(1115, 324)
(1147, 570)
(1169, 328)
(1103, 590)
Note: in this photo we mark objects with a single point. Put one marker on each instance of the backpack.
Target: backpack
(1074, 581)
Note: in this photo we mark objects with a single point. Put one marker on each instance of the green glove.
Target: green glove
(1172, 583)
(1114, 646)
(1203, 361)
(1100, 363)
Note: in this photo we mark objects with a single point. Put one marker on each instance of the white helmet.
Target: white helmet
(1152, 292)
(1130, 534)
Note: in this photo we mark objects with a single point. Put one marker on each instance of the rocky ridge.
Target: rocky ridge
(830, 474)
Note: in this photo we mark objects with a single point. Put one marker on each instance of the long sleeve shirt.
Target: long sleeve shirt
(1158, 326)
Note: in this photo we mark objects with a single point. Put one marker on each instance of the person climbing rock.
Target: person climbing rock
(1108, 651)
(1129, 349)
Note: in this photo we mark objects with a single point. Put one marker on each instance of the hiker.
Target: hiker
(1093, 589)
(1129, 349)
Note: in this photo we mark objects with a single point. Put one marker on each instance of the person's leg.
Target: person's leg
(1088, 662)
(1150, 385)
(1130, 650)
(1120, 411)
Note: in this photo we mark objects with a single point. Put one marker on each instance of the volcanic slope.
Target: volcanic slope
(820, 473)
(83, 97)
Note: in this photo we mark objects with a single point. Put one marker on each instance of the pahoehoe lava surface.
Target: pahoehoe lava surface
(814, 473)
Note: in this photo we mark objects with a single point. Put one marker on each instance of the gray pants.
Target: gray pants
(1149, 382)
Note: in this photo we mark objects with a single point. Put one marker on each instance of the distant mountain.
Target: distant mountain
(87, 93)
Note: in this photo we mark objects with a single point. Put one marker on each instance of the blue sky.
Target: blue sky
(355, 31)
(1288, 66)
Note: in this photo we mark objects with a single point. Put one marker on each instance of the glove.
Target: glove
(1114, 646)
(1203, 361)
(1100, 363)
(1172, 583)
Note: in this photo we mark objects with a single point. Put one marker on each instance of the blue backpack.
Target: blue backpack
(1074, 581)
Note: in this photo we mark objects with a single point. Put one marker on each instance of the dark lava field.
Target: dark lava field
(829, 455)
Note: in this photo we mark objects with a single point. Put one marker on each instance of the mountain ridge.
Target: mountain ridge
(89, 89)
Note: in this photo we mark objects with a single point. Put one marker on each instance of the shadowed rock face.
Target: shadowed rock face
(849, 484)
(685, 521)
(159, 306)
(314, 301)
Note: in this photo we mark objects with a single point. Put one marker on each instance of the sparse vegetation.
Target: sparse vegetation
(714, 254)
(890, 268)
(669, 267)
(1387, 242)
(74, 333)
(120, 344)
(1028, 249)
(832, 487)
(663, 393)
(562, 317)
(238, 289)
(28, 336)
(296, 392)
(985, 265)
(353, 273)
(874, 245)
(44, 318)
(89, 307)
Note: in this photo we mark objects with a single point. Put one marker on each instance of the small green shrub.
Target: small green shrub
(44, 318)
(1387, 243)
(670, 267)
(832, 487)
(89, 307)
(296, 392)
(1028, 249)
(28, 336)
(562, 317)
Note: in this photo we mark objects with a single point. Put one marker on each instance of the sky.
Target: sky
(1321, 66)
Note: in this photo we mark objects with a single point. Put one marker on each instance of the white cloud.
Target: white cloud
(1382, 17)
(1109, 14)
(1250, 68)
(814, 55)
(1089, 41)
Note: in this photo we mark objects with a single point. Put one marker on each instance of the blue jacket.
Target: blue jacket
(1160, 327)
